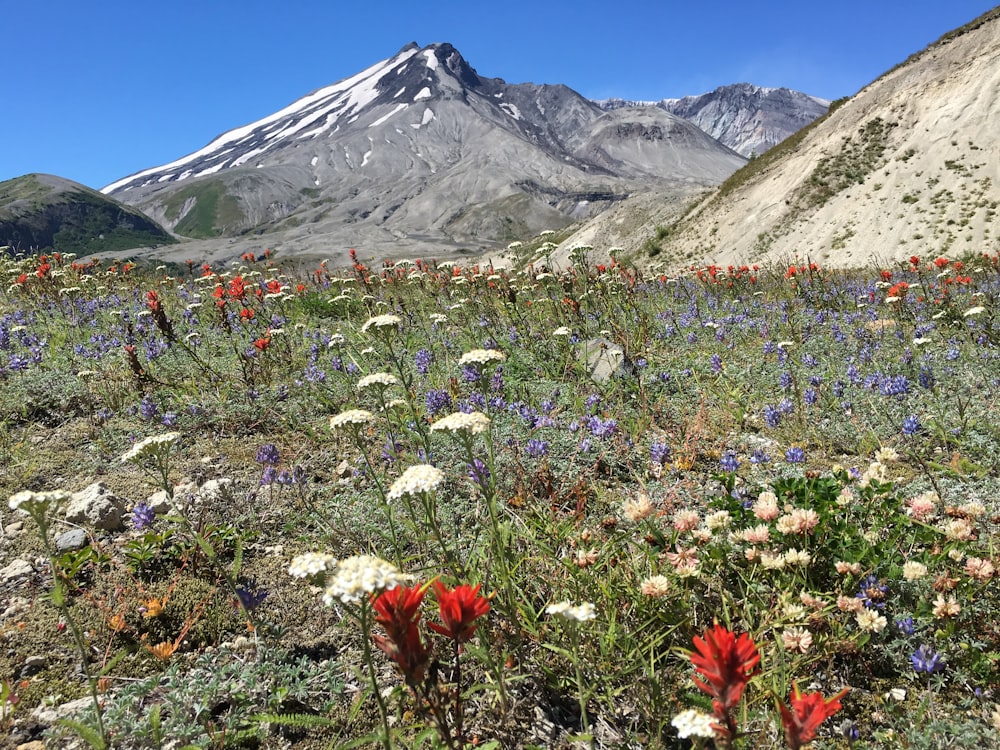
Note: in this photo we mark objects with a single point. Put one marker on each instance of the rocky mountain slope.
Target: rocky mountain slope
(420, 154)
(748, 119)
(905, 167)
(42, 212)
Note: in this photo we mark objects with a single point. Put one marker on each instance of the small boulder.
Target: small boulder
(17, 569)
(96, 506)
(73, 539)
(605, 359)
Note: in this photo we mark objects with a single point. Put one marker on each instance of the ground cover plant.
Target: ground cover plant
(428, 505)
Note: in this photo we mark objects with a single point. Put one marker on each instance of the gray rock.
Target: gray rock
(96, 506)
(71, 540)
(17, 569)
(159, 501)
(51, 714)
(11, 529)
(33, 665)
(605, 359)
(215, 489)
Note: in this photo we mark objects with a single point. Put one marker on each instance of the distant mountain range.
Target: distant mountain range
(420, 155)
(905, 167)
(749, 119)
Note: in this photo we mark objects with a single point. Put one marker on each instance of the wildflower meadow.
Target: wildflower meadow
(432, 505)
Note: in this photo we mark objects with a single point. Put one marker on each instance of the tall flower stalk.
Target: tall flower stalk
(37, 505)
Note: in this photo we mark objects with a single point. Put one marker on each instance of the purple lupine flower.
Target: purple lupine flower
(926, 659)
(715, 363)
(795, 455)
(478, 471)
(911, 425)
(905, 626)
(268, 454)
(871, 592)
(251, 595)
(422, 361)
(659, 453)
(142, 515)
(148, 408)
(729, 462)
(536, 448)
(437, 401)
(759, 456)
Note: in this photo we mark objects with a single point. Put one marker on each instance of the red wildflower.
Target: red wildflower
(152, 301)
(458, 608)
(273, 286)
(246, 314)
(237, 288)
(262, 343)
(727, 663)
(22, 279)
(941, 262)
(807, 713)
(914, 260)
(398, 611)
(43, 270)
(886, 275)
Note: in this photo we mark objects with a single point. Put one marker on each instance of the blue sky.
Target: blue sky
(96, 91)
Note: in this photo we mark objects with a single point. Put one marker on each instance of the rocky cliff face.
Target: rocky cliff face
(748, 119)
(901, 168)
(417, 154)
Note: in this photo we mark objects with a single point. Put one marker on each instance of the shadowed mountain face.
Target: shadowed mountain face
(44, 212)
(419, 153)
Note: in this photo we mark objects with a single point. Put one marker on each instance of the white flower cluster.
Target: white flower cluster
(311, 564)
(383, 379)
(565, 610)
(350, 417)
(415, 480)
(474, 422)
(381, 321)
(355, 577)
(152, 446)
(481, 357)
(36, 502)
(693, 723)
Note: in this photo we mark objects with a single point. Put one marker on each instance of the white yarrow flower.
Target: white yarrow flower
(381, 321)
(693, 723)
(311, 564)
(474, 422)
(36, 502)
(350, 417)
(151, 446)
(356, 577)
(383, 379)
(415, 480)
(482, 357)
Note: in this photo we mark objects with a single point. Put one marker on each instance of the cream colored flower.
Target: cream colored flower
(639, 509)
(913, 570)
(693, 723)
(946, 607)
(350, 418)
(562, 331)
(311, 564)
(354, 578)
(766, 506)
(721, 519)
(772, 560)
(848, 568)
(37, 502)
(415, 480)
(380, 322)
(870, 620)
(481, 357)
(380, 379)
(796, 639)
(797, 557)
(152, 446)
(959, 529)
(566, 611)
(849, 604)
(686, 520)
(979, 569)
(656, 586)
(474, 423)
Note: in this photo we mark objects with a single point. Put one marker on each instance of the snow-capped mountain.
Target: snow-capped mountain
(749, 119)
(420, 150)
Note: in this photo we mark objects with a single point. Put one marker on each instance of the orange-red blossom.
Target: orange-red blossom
(808, 711)
(458, 609)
